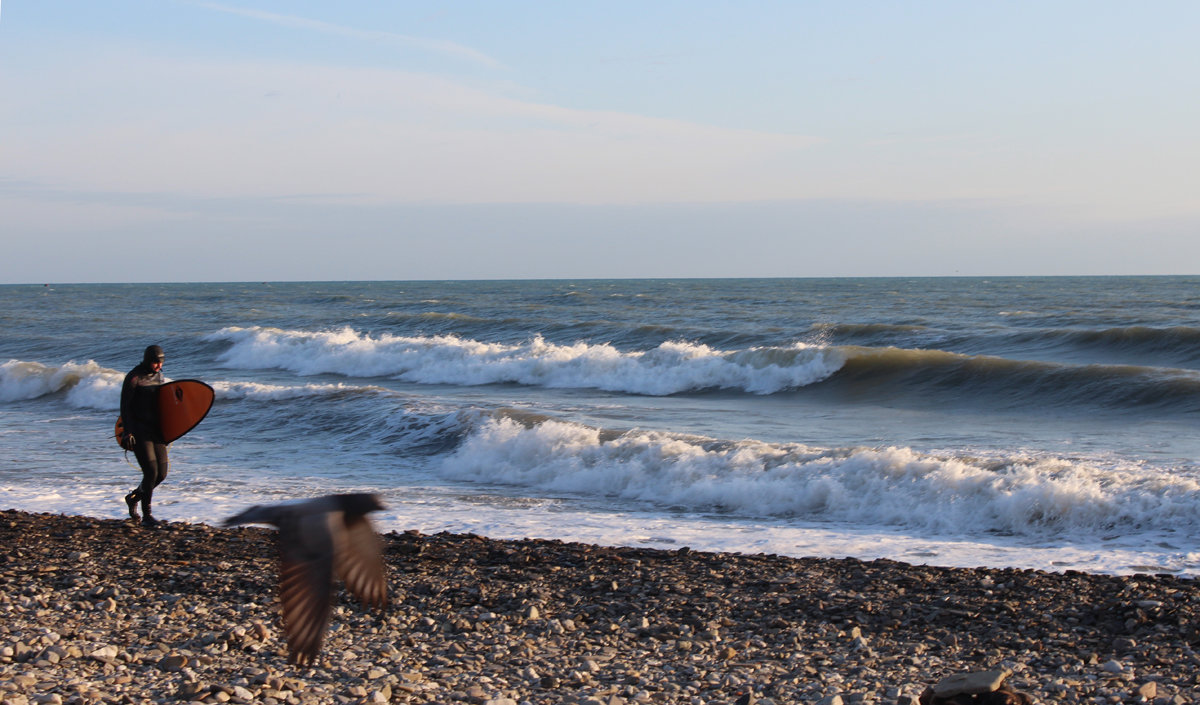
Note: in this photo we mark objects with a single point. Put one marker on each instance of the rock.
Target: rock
(477, 692)
(260, 630)
(192, 690)
(104, 653)
(970, 683)
(1113, 666)
(22, 652)
(173, 663)
(1147, 690)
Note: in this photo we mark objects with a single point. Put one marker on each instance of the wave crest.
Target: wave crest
(945, 495)
(85, 384)
(670, 368)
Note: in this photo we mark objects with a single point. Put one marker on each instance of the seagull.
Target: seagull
(317, 538)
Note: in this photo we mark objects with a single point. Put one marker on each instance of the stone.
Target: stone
(173, 663)
(970, 683)
(260, 630)
(477, 692)
(105, 653)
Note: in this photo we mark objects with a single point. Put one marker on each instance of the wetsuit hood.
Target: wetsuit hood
(153, 353)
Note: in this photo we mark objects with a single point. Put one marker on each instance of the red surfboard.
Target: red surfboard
(181, 405)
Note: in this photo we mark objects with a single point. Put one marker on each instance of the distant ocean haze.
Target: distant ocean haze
(1037, 422)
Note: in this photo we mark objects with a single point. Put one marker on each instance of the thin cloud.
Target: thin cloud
(430, 45)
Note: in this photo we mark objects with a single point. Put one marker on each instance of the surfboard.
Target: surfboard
(181, 405)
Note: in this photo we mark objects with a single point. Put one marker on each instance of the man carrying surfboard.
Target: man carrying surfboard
(142, 434)
(153, 414)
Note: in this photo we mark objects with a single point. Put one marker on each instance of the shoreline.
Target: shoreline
(101, 610)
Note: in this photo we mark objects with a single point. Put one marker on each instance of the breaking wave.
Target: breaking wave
(88, 385)
(678, 367)
(1017, 494)
(669, 368)
(84, 384)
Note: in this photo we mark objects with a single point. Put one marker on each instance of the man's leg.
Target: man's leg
(148, 459)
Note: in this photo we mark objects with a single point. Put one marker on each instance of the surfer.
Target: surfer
(139, 412)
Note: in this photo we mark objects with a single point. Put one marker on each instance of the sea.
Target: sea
(1045, 423)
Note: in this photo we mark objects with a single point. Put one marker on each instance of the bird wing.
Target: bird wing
(360, 561)
(306, 548)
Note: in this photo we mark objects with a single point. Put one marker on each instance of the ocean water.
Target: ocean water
(1032, 422)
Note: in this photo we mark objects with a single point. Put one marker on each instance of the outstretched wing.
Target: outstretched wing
(360, 561)
(305, 583)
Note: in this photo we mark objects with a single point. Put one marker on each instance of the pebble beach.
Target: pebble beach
(105, 611)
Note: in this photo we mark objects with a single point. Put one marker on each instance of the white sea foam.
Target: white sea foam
(279, 392)
(897, 487)
(86, 385)
(670, 368)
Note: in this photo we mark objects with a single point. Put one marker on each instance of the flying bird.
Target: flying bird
(318, 538)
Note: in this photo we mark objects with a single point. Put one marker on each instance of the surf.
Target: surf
(913, 377)
(81, 384)
(1033, 495)
(670, 368)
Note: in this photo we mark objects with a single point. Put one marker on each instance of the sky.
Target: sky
(178, 140)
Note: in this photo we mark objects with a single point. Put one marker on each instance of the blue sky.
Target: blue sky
(216, 141)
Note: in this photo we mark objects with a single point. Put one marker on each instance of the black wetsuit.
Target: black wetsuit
(139, 413)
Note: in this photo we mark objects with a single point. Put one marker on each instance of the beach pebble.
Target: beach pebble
(970, 683)
(1112, 667)
(104, 653)
(479, 621)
